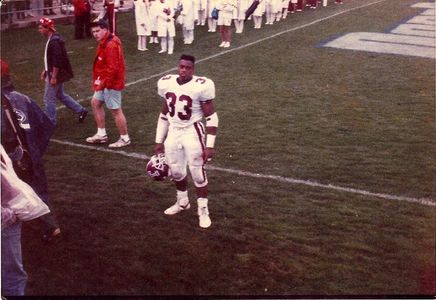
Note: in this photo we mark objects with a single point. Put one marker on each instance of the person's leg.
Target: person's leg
(170, 45)
(98, 111)
(13, 277)
(68, 101)
(222, 35)
(87, 21)
(228, 35)
(50, 225)
(49, 98)
(78, 27)
(120, 120)
(163, 44)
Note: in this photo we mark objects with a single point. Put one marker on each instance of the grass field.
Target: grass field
(323, 182)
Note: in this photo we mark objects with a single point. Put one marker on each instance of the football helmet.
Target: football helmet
(157, 167)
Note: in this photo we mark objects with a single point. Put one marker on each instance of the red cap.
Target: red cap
(5, 68)
(47, 23)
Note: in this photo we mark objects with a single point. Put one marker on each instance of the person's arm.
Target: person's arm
(161, 129)
(211, 128)
(54, 76)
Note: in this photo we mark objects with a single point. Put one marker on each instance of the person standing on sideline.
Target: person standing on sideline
(226, 10)
(258, 13)
(82, 18)
(211, 22)
(187, 18)
(108, 82)
(166, 29)
(57, 70)
(111, 14)
(154, 6)
(143, 23)
(239, 17)
(180, 134)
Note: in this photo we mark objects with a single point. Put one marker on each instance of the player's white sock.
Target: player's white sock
(101, 131)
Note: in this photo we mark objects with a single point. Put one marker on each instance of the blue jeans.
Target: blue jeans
(53, 92)
(14, 278)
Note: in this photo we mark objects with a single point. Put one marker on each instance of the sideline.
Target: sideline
(421, 201)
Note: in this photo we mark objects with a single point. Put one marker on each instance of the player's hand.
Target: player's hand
(208, 154)
(42, 75)
(159, 148)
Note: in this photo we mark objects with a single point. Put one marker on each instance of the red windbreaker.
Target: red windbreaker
(109, 65)
(81, 7)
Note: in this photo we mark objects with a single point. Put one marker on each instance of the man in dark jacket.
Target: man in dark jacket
(25, 134)
(57, 70)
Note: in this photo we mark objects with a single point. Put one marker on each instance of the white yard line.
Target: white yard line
(421, 201)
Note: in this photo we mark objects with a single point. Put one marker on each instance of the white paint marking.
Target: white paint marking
(428, 5)
(428, 12)
(422, 201)
(415, 29)
(414, 38)
(386, 43)
(424, 20)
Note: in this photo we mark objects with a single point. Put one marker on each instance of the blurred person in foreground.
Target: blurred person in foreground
(19, 202)
(14, 277)
(57, 70)
(25, 134)
(181, 135)
(108, 82)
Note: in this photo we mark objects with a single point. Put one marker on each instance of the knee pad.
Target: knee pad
(198, 175)
(177, 172)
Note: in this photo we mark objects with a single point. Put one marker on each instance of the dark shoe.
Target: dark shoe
(51, 235)
(82, 116)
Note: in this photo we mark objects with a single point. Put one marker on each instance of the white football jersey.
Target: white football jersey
(184, 101)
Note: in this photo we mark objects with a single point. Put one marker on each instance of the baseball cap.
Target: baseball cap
(47, 23)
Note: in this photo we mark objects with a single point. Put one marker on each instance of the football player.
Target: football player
(182, 136)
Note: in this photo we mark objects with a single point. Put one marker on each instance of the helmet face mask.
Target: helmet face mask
(157, 167)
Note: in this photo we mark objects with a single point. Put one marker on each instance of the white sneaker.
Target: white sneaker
(120, 143)
(162, 51)
(97, 139)
(178, 207)
(203, 213)
(226, 45)
(222, 44)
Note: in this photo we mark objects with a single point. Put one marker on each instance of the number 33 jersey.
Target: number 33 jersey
(184, 101)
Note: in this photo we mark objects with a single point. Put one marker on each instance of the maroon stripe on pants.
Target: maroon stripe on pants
(200, 132)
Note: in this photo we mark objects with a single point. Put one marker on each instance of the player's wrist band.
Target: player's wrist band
(212, 120)
(210, 140)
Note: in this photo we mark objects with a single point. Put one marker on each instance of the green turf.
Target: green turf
(287, 108)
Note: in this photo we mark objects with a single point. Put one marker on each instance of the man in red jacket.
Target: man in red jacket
(108, 82)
